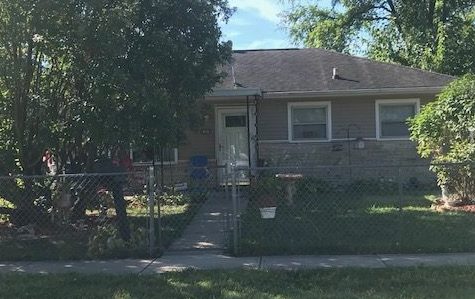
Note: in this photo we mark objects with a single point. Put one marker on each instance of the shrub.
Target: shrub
(174, 199)
(313, 187)
(263, 186)
(106, 242)
(444, 132)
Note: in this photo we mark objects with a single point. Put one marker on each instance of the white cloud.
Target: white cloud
(267, 43)
(232, 34)
(266, 9)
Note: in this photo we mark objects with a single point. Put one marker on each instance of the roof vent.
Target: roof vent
(335, 75)
(234, 76)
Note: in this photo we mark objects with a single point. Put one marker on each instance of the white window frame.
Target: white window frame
(394, 102)
(319, 104)
(174, 162)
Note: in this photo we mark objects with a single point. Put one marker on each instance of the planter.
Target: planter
(268, 212)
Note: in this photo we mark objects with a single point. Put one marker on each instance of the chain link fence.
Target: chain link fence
(355, 210)
(96, 216)
(247, 211)
(72, 216)
(199, 194)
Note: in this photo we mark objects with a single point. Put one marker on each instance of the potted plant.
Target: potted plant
(267, 206)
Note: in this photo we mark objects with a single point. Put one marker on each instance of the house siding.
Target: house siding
(385, 160)
(355, 113)
(337, 153)
(201, 140)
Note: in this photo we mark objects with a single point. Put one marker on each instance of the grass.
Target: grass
(64, 243)
(350, 223)
(443, 282)
(174, 219)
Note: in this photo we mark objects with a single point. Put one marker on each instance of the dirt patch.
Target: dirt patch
(441, 206)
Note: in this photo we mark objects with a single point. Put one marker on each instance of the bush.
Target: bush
(107, 243)
(166, 199)
(445, 133)
(174, 199)
(264, 185)
(313, 187)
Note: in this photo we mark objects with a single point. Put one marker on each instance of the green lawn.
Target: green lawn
(446, 282)
(351, 223)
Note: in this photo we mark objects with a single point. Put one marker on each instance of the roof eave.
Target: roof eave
(234, 92)
(353, 92)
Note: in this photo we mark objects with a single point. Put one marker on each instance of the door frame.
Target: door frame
(251, 122)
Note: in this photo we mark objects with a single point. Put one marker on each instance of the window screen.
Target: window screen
(393, 119)
(309, 123)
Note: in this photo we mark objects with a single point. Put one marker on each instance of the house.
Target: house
(304, 107)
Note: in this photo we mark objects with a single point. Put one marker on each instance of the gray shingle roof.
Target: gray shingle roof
(311, 70)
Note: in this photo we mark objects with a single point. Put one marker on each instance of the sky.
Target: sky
(257, 25)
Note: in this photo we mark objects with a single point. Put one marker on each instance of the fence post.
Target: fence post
(227, 213)
(235, 209)
(226, 181)
(151, 209)
(400, 204)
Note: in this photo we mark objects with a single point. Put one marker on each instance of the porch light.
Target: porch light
(359, 143)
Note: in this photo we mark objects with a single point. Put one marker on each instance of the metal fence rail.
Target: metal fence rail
(353, 210)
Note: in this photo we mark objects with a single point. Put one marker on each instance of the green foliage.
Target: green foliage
(107, 243)
(265, 185)
(5, 204)
(313, 188)
(445, 133)
(174, 199)
(83, 78)
(437, 35)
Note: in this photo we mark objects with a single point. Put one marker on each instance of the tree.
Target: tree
(445, 133)
(82, 77)
(437, 35)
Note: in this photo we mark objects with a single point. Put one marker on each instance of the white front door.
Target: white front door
(232, 139)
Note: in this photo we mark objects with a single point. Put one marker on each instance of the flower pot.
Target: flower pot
(268, 212)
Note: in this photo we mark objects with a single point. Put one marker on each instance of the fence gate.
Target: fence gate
(194, 208)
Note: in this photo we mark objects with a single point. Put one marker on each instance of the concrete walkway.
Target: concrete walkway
(206, 230)
(217, 261)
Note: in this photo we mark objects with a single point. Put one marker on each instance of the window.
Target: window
(392, 116)
(235, 121)
(309, 121)
(170, 156)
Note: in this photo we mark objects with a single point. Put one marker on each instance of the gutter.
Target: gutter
(235, 92)
(241, 93)
(352, 92)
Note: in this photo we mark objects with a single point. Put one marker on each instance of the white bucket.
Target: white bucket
(268, 213)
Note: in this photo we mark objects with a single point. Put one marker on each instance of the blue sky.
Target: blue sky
(257, 25)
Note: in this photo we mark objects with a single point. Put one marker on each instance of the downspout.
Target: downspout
(248, 134)
(256, 103)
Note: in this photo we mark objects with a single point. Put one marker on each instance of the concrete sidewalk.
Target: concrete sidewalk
(206, 230)
(207, 261)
